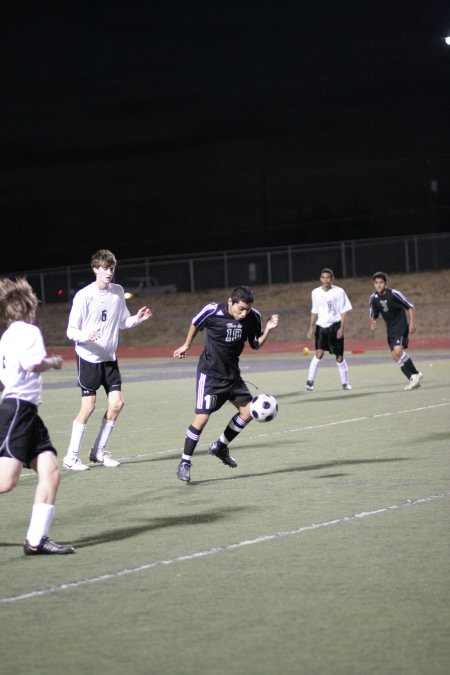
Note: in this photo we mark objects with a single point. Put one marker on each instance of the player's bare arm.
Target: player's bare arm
(272, 322)
(340, 332)
(47, 363)
(412, 320)
(312, 325)
(373, 324)
(180, 353)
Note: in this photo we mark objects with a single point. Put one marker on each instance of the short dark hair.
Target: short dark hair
(379, 275)
(327, 270)
(242, 293)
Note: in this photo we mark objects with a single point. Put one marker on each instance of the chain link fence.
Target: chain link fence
(226, 269)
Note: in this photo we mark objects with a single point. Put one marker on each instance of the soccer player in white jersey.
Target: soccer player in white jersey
(393, 306)
(24, 439)
(98, 312)
(330, 306)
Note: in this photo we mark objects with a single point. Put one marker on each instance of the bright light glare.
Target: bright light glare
(447, 40)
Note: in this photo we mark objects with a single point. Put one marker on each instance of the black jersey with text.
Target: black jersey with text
(225, 339)
(391, 306)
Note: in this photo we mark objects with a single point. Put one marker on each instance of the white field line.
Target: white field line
(312, 427)
(217, 550)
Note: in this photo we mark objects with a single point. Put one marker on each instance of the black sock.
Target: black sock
(235, 426)
(190, 441)
(408, 369)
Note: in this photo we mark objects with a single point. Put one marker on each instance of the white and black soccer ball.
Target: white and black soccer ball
(264, 407)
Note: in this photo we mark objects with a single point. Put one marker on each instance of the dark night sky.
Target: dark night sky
(169, 127)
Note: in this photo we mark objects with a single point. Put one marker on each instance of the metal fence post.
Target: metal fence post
(191, 275)
(269, 268)
(343, 261)
(407, 256)
(225, 269)
(42, 282)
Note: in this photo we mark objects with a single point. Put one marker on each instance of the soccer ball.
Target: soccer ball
(264, 407)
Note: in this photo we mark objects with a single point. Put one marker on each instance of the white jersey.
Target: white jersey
(329, 305)
(21, 346)
(97, 309)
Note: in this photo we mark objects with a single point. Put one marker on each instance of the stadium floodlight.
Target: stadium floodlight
(447, 40)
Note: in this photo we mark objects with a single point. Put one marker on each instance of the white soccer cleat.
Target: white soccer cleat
(103, 457)
(74, 464)
(414, 382)
(346, 386)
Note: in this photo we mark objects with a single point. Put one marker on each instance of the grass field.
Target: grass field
(326, 551)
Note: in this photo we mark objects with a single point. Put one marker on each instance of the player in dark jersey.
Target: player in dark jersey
(392, 305)
(229, 325)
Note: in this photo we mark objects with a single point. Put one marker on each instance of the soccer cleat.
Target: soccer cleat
(309, 385)
(47, 547)
(74, 464)
(223, 454)
(103, 457)
(414, 381)
(346, 387)
(184, 471)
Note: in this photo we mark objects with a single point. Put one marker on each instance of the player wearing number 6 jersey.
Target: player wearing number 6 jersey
(98, 312)
(228, 327)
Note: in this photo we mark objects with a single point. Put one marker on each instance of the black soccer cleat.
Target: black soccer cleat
(47, 547)
(184, 471)
(223, 454)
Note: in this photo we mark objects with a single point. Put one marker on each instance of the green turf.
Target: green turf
(326, 551)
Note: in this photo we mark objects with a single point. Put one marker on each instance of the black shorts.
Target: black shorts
(326, 339)
(92, 376)
(396, 340)
(212, 393)
(23, 435)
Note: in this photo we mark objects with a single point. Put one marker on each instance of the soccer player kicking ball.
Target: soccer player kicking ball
(229, 325)
(24, 439)
(393, 305)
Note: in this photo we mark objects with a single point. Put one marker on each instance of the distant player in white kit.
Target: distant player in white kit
(98, 312)
(24, 439)
(330, 305)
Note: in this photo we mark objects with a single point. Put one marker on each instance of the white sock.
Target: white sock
(106, 428)
(343, 371)
(78, 430)
(41, 517)
(313, 366)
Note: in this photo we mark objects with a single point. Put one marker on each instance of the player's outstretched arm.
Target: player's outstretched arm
(180, 353)
(272, 322)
